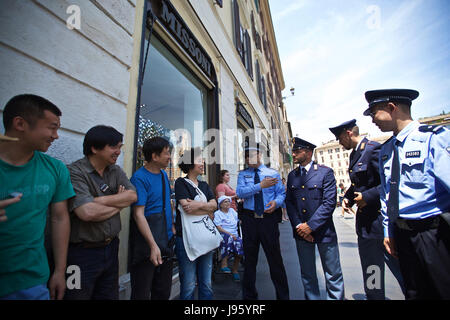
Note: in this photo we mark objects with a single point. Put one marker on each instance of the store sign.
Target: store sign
(244, 114)
(179, 30)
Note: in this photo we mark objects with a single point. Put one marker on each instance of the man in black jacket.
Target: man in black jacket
(363, 171)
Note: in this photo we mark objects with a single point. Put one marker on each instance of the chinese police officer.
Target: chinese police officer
(415, 193)
(263, 194)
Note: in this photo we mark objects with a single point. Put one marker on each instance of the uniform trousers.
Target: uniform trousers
(424, 256)
(264, 231)
(329, 256)
(372, 253)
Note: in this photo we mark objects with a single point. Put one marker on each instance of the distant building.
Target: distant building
(442, 119)
(333, 155)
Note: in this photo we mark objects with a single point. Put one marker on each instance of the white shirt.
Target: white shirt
(228, 221)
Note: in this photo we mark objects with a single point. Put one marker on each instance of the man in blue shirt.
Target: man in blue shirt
(415, 200)
(152, 274)
(310, 203)
(263, 195)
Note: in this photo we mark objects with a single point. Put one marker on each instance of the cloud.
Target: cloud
(332, 56)
(290, 9)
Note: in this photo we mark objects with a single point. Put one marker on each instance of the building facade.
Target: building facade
(199, 72)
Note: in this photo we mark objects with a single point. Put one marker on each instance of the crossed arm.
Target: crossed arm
(96, 209)
(104, 207)
(197, 207)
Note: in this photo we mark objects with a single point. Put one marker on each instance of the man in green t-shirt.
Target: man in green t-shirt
(13, 198)
(44, 183)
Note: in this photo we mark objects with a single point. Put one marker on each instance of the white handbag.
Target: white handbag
(200, 234)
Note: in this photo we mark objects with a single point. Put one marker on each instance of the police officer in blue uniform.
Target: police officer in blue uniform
(365, 178)
(415, 193)
(263, 194)
(310, 202)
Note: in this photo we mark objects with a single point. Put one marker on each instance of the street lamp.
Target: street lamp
(292, 90)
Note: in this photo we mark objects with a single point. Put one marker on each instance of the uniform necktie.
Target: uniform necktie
(352, 154)
(303, 175)
(258, 197)
(393, 205)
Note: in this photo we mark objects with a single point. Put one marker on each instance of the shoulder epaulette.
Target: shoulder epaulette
(430, 128)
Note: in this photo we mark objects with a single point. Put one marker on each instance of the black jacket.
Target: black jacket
(365, 177)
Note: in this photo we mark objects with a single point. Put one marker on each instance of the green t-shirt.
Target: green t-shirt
(23, 260)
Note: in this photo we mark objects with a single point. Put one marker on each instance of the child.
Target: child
(226, 220)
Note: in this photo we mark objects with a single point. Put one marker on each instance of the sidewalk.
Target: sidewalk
(226, 289)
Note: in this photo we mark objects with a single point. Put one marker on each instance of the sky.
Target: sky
(332, 51)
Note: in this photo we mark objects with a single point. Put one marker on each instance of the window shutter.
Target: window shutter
(258, 79)
(263, 92)
(249, 65)
(237, 27)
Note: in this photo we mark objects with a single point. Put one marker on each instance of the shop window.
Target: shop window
(173, 105)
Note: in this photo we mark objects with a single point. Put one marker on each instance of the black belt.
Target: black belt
(418, 225)
(88, 245)
(254, 214)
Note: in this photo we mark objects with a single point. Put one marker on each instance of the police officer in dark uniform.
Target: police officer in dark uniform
(414, 193)
(263, 194)
(310, 202)
(365, 178)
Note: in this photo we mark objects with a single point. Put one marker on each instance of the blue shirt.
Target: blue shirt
(424, 177)
(246, 187)
(149, 192)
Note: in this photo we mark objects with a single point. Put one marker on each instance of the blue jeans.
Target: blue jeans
(329, 256)
(39, 292)
(99, 268)
(191, 271)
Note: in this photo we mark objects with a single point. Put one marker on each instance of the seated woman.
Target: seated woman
(226, 220)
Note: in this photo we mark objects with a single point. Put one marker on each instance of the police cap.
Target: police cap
(301, 144)
(249, 147)
(343, 126)
(374, 97)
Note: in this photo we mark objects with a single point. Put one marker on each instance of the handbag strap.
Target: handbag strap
(199, 192)
(164, 197)
(163, 192)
